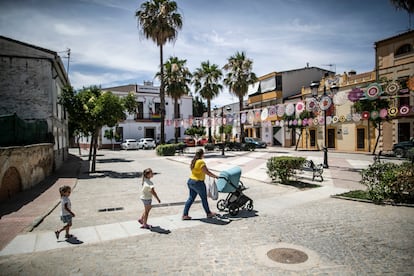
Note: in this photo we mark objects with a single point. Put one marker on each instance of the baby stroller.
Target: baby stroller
(229, 182)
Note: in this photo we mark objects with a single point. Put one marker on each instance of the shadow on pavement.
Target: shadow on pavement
(159, 230)
(70, 169)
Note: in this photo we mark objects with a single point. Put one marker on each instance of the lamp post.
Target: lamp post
(228, 108)
(325, 103)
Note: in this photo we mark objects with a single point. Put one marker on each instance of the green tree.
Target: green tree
(130, 103)
(199, 107)
(159, 21)
(206, 83)
(373, 105)
(177, 77)
(238, 77)
(111, 135)
(93, 109)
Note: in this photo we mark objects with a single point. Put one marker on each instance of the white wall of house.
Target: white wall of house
(146, 123)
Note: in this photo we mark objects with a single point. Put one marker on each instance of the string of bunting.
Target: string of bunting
(273, 115)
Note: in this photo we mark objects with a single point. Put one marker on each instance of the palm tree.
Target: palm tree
(238, 78)
(160, 22)
(206, 82)
(407, 5)
(177, 77)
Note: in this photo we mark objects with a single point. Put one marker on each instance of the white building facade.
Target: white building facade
(146, 121)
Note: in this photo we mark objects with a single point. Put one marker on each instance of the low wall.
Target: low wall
(23, 167)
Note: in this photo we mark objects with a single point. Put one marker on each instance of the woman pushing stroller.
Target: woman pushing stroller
(197, 186)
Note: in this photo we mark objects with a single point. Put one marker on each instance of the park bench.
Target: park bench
(317, 170)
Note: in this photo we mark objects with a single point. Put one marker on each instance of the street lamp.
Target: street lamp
(228, 108)
(325, 103)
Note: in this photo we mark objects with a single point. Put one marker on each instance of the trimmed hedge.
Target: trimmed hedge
(284, 167)
(166, 150)
(389, 182)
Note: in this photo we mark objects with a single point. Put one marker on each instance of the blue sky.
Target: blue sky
(278, 35)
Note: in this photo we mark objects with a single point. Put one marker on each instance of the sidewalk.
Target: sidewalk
(23, 213)
(26, 210)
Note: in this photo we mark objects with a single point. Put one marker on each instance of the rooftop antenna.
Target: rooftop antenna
(330, 67)
(67, 51)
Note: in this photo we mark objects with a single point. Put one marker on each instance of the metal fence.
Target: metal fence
(17, 132)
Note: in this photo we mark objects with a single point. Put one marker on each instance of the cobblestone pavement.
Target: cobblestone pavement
(349, 238)
(339, 237)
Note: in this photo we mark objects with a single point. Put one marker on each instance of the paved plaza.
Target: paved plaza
(337, 237)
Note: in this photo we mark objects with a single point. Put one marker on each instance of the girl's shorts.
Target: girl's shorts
(66, 219)
(146, 201)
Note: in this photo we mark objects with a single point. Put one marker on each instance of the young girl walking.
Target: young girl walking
(67, 214)
(147, 192)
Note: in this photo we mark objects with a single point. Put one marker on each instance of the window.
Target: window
(404, 49)
(140, 111)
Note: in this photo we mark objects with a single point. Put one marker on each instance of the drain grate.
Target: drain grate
(111, 209)
(287, 256)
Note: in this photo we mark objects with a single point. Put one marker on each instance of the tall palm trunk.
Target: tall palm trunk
(209, 117)
(241, 124)
(162, 98)
(176, 116)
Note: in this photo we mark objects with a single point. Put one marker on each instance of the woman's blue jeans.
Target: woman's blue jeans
(196, 187)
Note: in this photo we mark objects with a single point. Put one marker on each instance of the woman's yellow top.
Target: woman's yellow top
(197, 172)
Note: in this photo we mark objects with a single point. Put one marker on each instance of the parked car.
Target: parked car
(188, 141)
(401, 149)
(146, 143)
(129, 144)
(256, 141)
(202, 141)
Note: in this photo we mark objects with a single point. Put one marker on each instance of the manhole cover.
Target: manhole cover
(287, 256)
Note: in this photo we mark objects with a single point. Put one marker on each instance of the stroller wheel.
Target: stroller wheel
(221, 205)
(233, 211)
(249, 206)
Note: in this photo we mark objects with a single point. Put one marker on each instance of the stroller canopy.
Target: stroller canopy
(228, 180)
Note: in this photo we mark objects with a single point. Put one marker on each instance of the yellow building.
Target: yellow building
(394, 61)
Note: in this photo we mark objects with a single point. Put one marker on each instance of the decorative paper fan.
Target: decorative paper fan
(300, 106)
(325, 103)
(356, 117)
(315, 121)
(383, 113)
(264, 114)
(392, 88)
(277, 123)
(300, 122)
(280, 110)
(374, 114)
(328, 120)
(229, 119)
(272, 111)
(393, 111)
(243, 118)
(404, 109)
(321, 120)
(342, 118)
(309, 122)
(373, 91)
(305, 122)
(335, 119)
(365, 115)
(348, 117)
(311, 104)
(339, 98)
(355, 94)
(257, 115)
(290, 109)
(250, 117)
